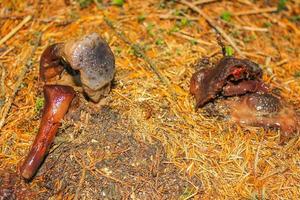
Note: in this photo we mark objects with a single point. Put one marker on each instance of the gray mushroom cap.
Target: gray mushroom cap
(93, 58)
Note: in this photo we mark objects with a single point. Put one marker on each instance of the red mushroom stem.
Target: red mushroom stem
(57, 101)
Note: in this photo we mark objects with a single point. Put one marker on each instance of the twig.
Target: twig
(199, 2)
(282, 62)
(191, 38)
(254, 55)
(111, 177)
(2, 82)
(256, 11)
(249, 28)
(16, 29)
(221, 44)
(80, 183)
(265, 14)
(81, 178)
(213, 25)
(213, 53)
(6, 52)
(256, 159)
(25, 69)
(168, 16)
(12, 16)
(138, 50)
(190, 196)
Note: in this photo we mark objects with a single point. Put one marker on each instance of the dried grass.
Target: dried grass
(232, 162)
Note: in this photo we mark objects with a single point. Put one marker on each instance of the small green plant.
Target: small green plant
(162, 4)
(249, 38)
(84, 3)
(118, 2)
(295, 18)
(39, 104)
(184, 22)
(177, 12)
(174, 29)
(193, 42)
(141, 18)
(229, 51)
(281, 5)
(136, 50)
(267, 24)
(118, 50)
(226, 16)
(159, 42)
(297, 74)
(149, 29)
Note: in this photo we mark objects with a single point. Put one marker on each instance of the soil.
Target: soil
(97, 157)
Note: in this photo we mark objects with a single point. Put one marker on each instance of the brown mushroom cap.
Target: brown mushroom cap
(230, 77)
(93, 58)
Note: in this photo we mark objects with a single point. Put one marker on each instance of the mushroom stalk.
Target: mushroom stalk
(57, 101)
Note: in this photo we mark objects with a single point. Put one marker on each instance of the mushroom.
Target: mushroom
(230, 77)
(266, 110)
(90, 56)
(57, 101)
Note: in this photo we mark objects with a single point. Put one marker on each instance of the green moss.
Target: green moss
(226, 16)
(84, 3)
(295, 18)
(267, 24)
(297, 74)
(281, 5)
(118, 2)
(229, 51)
(159, 42)
(184, 22)
(39, 104)
(141, 18)
(149, 29)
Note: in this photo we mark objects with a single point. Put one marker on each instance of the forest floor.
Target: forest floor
(147, 141)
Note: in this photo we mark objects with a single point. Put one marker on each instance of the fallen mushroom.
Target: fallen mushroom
(266, 110)
(57, 101)
(256, 106)
(230, 77)
(90, 55)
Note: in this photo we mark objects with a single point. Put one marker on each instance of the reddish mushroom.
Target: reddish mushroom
(90, 56)
(256, 106)
(57, 101)
(230, 77)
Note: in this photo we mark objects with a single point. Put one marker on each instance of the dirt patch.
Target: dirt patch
(97, 157)
(13, 187)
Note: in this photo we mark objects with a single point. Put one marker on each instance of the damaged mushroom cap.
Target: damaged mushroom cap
(231, 76)
(93, 58)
